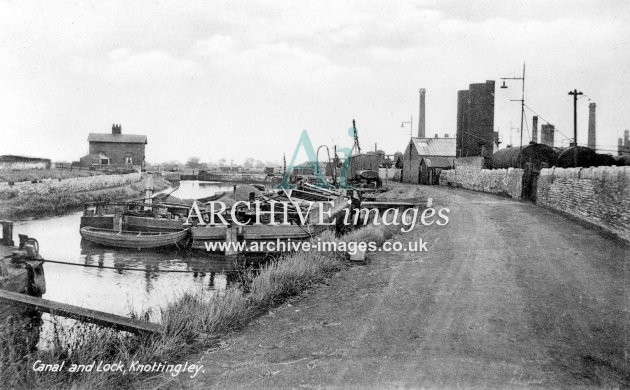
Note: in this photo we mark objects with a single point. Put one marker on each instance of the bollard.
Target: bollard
(7, 233)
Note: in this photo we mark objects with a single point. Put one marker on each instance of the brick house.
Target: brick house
(115, 148)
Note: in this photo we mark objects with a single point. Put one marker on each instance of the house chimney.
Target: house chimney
(421, 114)
(116, 129)
(591, 125)
(535, 129)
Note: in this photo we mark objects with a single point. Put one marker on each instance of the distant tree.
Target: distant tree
(259, 164)
(222, 162)
(249, 162)
(193, 163)
(172, 165)
(269, 163)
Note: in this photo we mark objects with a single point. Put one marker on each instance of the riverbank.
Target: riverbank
(20, 175)
(192, 323)
(60, 196)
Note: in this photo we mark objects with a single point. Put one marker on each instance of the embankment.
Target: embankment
(28, 175)
(58, 196)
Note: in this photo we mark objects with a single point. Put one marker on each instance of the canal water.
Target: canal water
(123, 280)
(195, 189)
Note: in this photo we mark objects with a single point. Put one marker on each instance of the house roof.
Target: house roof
(438, 162)
(435, 146)
(117, 138)
(14, 158)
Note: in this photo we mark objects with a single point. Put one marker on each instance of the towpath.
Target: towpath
(509, 295)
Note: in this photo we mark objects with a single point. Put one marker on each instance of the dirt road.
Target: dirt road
(508, 295)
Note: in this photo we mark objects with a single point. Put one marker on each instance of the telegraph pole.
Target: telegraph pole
(522, 100)
(575, 94)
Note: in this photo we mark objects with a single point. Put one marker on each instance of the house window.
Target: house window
(103, 159)
(129, 160)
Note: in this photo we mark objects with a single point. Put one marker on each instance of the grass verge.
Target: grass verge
(17, 175)
(58, 203)
(191, 323)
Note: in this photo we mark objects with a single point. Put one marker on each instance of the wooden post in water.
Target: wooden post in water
(231, 235)
(7, 233)
(148, 193)
(118, 221)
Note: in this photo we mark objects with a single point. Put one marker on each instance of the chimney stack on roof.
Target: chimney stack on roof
(591, 126)
(116, 129)
(535, 129)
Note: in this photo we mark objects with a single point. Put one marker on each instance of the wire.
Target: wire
(541, 117)
(527, 127)
(130, 269)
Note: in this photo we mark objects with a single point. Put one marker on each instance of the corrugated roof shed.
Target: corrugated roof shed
(117, 138)
(444, 147)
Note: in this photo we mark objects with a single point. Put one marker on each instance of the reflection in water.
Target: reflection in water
(121, 281)
(194, 189)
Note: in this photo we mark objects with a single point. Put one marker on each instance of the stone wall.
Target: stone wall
(599, 195)
(506, 182)
(472, 162)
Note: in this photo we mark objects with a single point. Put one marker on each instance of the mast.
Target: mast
(356, 137)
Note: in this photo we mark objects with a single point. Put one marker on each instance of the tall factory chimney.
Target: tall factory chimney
(547, 134)
(535, 129)
(421, 114)
(591, 125)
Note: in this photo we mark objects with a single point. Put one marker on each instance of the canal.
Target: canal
(121, 281)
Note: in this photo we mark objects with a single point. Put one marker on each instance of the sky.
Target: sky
(237, 79)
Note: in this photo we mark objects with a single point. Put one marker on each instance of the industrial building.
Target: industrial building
(623, 148)
(475, 121)
(592, 136)
(426, 148)
(538, 156)
(23, 162)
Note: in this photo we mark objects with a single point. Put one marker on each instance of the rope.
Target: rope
(129, 269)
